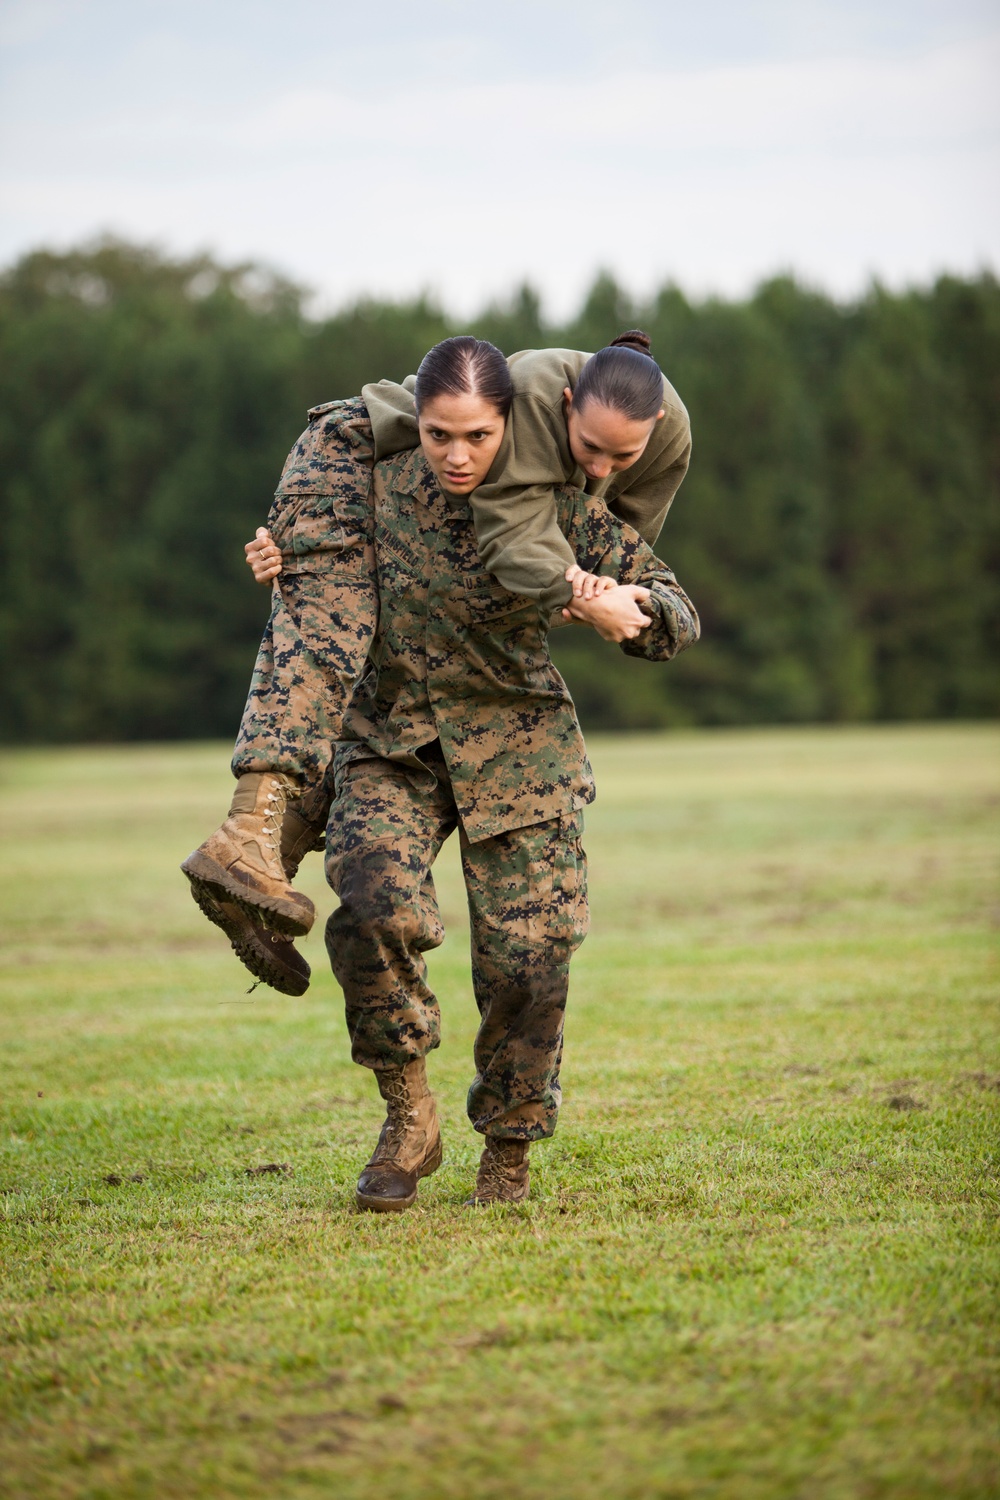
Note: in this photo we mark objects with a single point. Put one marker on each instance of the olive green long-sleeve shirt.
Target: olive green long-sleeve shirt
(514, 511)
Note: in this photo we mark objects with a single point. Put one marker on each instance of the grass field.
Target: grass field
(760, 1258)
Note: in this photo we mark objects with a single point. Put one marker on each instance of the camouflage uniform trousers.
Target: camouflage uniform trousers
(324, 608)
(527, 894)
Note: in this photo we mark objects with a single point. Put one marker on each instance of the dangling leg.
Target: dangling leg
(314, 646)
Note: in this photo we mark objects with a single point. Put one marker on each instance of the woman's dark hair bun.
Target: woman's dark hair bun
(633, 338)
(622, 376)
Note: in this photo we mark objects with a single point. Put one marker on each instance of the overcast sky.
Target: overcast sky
(463, 147)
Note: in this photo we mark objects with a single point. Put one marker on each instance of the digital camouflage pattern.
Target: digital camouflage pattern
(461, 720)
(528, 907)
(324, 606)
(457, 658)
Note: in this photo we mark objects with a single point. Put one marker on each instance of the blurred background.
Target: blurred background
(217, 215)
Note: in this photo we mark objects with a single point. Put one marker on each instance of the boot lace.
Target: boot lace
(277, 801)
(499, 1164)
(398, 1113)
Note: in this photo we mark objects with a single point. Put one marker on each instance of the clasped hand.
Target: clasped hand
(611, 608)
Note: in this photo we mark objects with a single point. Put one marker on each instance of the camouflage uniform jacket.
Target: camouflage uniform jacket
(457, 658)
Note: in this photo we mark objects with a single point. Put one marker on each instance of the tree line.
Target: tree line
(839, 529)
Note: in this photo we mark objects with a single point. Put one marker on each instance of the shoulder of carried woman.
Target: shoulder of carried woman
(545, 373)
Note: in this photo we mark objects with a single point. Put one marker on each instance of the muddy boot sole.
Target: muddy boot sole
(263, 953)
(289, 918)
(369, 1203)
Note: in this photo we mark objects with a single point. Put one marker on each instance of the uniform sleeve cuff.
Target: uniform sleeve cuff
(557, 596)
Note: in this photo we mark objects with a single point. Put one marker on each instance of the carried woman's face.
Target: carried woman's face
(603, 441)
(459, 437)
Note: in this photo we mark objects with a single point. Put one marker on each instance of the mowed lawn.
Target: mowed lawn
(761, 1254)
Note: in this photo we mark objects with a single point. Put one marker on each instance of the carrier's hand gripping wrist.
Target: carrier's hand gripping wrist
(616, 613)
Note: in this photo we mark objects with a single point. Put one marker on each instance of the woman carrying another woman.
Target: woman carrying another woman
(460, 721)
(609, 423)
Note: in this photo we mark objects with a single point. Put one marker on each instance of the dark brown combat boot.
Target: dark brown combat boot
(409, 1146)
(503, 1172)
(241, 862)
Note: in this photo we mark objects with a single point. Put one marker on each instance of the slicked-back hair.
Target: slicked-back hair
(465, 366)
(624, 377)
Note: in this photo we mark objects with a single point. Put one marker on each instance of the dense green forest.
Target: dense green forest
(839, 529)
